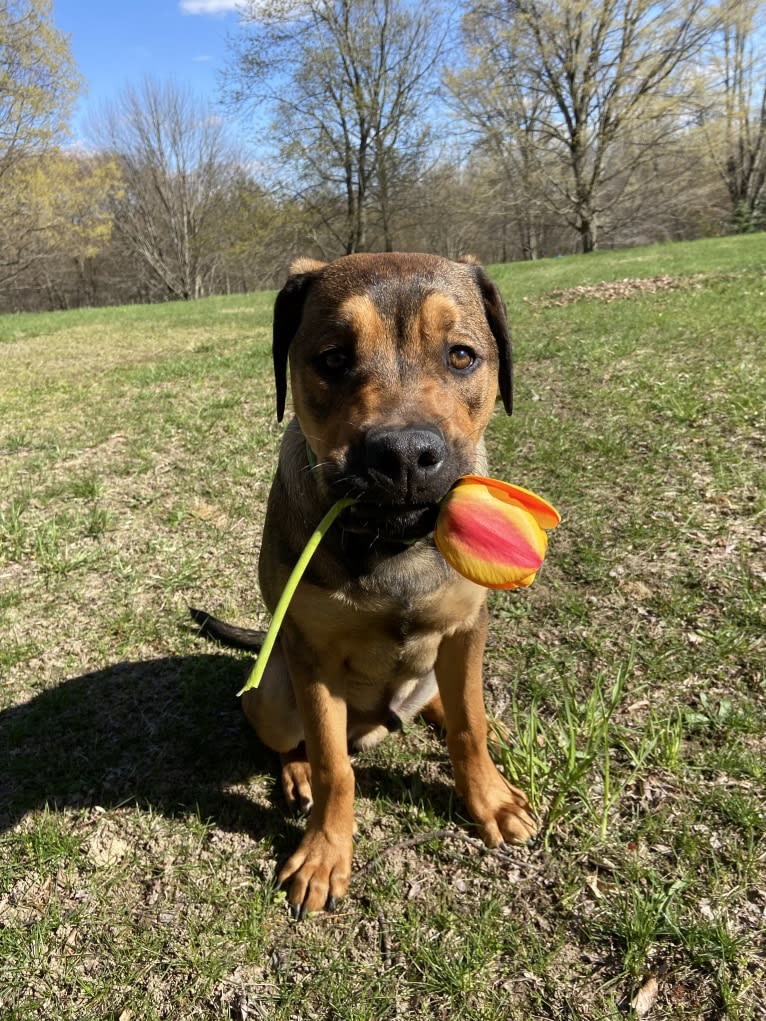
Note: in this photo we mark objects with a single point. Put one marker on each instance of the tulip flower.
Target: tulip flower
(489, 531)
(493, 533)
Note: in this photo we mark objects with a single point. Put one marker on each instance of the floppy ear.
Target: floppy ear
(494, 309)
(288, 310)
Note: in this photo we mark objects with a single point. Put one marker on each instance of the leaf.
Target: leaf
(644, 999)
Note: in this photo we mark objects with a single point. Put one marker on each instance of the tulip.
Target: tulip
(493, 533)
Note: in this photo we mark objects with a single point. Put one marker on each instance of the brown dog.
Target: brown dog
(394, 366)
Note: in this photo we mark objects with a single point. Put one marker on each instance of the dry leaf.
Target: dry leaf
(592, 883)
(209, 512)
(635, 589)
(644, 999)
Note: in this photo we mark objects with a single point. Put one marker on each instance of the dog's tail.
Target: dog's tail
(227, 634)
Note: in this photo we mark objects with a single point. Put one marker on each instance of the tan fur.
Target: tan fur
(368, 645)
(305, 264)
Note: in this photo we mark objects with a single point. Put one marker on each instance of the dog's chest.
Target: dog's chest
(396, 648)
(379, 643)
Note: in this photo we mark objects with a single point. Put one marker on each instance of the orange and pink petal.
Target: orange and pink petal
(492, 532)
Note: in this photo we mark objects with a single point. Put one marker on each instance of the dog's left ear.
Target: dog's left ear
(494, 309)
(288, 311)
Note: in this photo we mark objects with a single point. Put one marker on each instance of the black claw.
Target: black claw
(295, 912)
(331, 904)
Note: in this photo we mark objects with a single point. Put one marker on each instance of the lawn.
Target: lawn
(140, 822)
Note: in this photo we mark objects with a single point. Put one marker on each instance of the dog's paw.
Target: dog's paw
(296, 784)
(501, 812)
(318, 873)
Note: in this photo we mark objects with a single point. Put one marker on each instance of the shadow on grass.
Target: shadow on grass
(166, 734)
(407, 785)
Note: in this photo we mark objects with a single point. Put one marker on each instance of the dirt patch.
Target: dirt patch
(619, 290)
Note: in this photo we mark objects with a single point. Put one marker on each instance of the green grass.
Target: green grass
(140, 823)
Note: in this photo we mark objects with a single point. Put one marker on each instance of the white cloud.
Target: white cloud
(209, 6)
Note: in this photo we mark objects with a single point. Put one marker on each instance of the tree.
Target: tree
(175, 163)
(54, 207)
(38, 80)
(346, 82)
(733, 109)
(578, 95)
(255, 233)
(38, 85)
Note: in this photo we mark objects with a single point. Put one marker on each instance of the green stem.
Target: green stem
(289, 591)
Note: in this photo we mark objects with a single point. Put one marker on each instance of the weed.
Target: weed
(13, 529)
(566, 760)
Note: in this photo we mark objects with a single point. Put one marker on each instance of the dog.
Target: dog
(394, 363)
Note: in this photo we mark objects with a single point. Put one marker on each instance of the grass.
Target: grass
(139, 820)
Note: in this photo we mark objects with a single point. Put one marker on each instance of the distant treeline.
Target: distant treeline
(505, 129)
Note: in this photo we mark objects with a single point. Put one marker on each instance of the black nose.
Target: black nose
(407, 461)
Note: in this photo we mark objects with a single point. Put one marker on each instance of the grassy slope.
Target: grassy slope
(140, 824)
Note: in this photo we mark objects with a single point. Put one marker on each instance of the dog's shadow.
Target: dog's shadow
(166, 734)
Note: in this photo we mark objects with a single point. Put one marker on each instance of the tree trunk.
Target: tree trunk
(588, 234)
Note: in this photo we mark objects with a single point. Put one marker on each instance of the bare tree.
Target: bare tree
(346, 82)
(733, 107)
(579, 94)
(175, 162)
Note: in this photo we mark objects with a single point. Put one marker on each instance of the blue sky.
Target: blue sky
(115, 43)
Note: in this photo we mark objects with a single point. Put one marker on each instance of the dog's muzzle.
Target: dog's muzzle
(399, 474)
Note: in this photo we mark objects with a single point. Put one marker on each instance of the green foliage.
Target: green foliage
(38, 79)
(55, 206)
(38, 85)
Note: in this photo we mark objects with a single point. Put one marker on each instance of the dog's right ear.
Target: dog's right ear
(288, 311)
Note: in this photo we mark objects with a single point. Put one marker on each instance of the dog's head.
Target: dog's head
(395, 361)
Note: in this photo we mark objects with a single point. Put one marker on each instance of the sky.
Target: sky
(116, 42)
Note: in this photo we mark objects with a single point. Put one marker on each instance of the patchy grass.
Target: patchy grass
(140, 823)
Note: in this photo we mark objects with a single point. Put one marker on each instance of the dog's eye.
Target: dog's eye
(332, 363)
(461, 358)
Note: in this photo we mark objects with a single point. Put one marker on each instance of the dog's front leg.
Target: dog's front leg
(501, 811)
(318, 872)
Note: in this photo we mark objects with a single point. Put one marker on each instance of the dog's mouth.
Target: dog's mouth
(390, 522)
(398, 476)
